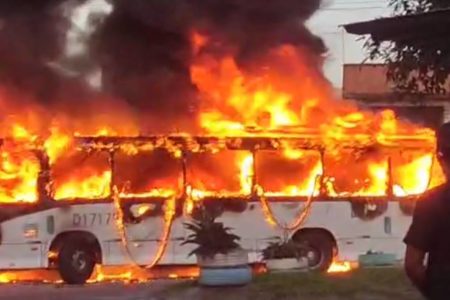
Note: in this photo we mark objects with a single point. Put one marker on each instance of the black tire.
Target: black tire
(320, 249)
(76, 261)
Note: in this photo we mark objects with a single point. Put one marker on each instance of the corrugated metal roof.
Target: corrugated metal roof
(404, 27)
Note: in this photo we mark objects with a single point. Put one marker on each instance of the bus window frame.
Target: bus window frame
(113, 167)
(321, 181)
(51, 190)
(183, 158)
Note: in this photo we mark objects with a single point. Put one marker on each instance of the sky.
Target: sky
(343, 47)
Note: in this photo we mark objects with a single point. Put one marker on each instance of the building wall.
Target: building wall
(367, 84)
(365, 79)
(369, 79)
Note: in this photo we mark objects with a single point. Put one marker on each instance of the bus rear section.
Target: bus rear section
(122, 201)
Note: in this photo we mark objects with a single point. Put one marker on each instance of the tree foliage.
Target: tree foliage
(418, 61)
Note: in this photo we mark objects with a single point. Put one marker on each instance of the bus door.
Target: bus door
(21, 237)
(146, 183)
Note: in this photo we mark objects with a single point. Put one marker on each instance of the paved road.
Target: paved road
(99, 291)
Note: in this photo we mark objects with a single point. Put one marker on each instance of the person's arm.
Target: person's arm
(420, 238)
(415, 268)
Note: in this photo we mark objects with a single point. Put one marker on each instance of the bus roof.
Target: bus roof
(259, 142)
(249, 142)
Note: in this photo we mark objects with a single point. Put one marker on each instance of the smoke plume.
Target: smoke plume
(142, 47)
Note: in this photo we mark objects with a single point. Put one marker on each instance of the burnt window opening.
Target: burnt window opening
(414, 172)
(222, 172)
(147, 173)
(19, 171)
(80, 174)
(289, 172)
(357, 173)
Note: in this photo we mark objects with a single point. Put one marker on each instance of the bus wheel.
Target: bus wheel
(76, 262)
(319, 249)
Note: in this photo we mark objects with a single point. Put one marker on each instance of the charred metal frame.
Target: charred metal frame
(260, 142)
(198, 144)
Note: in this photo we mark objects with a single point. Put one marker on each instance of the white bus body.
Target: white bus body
(33, 237)
(27, 239)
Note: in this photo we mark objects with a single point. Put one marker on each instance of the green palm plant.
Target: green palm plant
(211, 237)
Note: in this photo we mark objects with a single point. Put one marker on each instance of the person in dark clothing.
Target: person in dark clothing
(427, 258)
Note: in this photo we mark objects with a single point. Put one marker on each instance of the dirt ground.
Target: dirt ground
(100, 291)
(360, 285)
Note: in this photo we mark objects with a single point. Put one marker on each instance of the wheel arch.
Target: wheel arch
(81, 234)
(320, 231)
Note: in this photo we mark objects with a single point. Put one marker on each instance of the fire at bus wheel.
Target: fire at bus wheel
(77, 255)
(321, 246)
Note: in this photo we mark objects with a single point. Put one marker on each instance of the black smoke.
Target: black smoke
(29, 38)
(143, 46)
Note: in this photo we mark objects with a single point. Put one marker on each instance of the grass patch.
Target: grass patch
(377, 284)
(375, 281)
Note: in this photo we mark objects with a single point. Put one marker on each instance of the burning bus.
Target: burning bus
(260, 136)
(134, 194)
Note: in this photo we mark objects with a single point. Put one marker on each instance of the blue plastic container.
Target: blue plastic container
(229, 276)
(377, 259)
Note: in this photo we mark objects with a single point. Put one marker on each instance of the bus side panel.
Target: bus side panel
(256, 232)
(21, 256)
(144, 240)
(94, 218)
(23, 242)
(133, 253)
(253, 229)
(384, 233)
(178, 235)
(354, 236)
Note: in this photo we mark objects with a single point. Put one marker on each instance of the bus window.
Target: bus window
(19, 170)
(356, 173)
(289, 172)
(220, 173)
(147, 174)
(80, 174)
(411, 171)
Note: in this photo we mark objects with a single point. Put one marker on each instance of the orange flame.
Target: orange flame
(94, 186)
(340, 267)
(287, 96)
(18, 174)
(282, 94)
